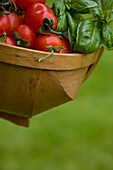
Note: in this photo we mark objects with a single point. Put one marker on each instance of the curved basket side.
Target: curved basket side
(92, 67)
(18, 87)
(50, 93)
(26, 91)
(18, 120)
(71, 80)
(29, 58)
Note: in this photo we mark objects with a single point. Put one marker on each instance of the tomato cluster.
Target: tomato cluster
(31, 25)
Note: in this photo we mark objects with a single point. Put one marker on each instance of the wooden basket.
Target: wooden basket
(29, 87)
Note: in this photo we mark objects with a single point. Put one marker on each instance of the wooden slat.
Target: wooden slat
(18, 86)
(28, 87)
(28, 58)
(92, 67)
(18, 120)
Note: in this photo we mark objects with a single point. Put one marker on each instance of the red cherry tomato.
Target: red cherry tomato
(14, 22)
(66, 45)
(26, 33)
(35, 15)
(4, 24)
(9, 41)
(43, 41)
(24, 4)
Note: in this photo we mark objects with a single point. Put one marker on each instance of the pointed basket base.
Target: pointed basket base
(28, 87)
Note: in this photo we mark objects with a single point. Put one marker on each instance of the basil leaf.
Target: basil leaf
(80, 5)
(106, 10)
(59, 10)
(62, 24)
(109, 15)
(76, 16)
(104, 4)
(95, 10)
(88, 37)
(107, 36)
(72, 28)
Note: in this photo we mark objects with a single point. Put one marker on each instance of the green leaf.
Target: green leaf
(94, 10)
(62, 24)
(104, 4)
(72, 27)
(106, 10)
(108, 15)
(88, 37)
(59, 10)
(80, 5)
(107, 36)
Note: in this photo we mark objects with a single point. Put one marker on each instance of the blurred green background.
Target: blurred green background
(75, 136)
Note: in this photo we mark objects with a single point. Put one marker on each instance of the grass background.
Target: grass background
(75, 136)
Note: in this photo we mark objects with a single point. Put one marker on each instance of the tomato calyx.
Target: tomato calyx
(51, 50)
(7, 5)
(4, 12)
(20, 12)
(3, 37)
(48, 25)
(4, 3)
(19, 41)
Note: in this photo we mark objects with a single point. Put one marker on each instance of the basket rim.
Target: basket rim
(39, 51)
(58, 61)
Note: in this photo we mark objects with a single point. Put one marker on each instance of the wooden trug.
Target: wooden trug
(29, 87)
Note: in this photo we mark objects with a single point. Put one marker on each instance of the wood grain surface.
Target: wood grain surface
(29, 87)
(29, 58)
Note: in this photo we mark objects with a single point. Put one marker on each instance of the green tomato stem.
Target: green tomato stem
(10, 6)
(51, 30)
(3, 36)
(48, 25)
(4, 3)
(42, 30)
(4, 12)
(41, 59)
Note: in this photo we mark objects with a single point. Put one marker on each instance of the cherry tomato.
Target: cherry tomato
(66, 45)
(26, 33)
(14, 22)
(24, 4)
(36, 14)
(43, 41)
(9, 41)
(4, 24)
